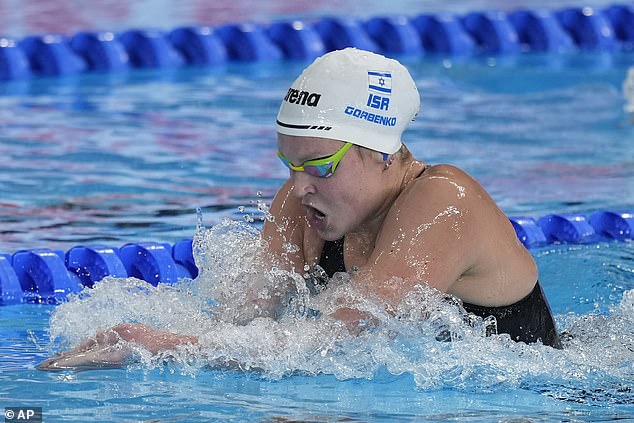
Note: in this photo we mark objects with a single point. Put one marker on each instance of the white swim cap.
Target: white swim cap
(351, 95)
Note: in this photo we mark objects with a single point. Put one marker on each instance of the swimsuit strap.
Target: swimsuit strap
(330, 262)
(423, 170)
(331, 259)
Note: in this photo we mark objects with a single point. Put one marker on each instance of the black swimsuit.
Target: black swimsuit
(527, 320)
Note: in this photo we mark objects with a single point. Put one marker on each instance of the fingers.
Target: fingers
(104, 357)
(112, 347)
(47, 364)
(85, 346)
(102, 351)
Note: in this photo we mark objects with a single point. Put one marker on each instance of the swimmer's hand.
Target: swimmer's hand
(113, 348)
(356, 321)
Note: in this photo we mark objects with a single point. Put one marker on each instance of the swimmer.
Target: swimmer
(358, 201)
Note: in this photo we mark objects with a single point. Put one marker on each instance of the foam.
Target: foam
(289, 339)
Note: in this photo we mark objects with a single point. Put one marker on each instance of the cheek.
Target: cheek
(351, 193)
(350, 199)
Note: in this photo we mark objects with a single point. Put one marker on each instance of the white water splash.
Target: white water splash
(299, 337)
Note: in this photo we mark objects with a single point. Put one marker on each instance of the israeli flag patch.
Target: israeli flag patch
(380, 82)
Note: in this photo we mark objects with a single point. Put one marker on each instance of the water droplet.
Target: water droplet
(199, 218)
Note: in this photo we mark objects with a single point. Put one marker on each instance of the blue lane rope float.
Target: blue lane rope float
(102, 51)
(341, 32)
(93, 263)
(43, 275)
(50, 55)
(48, 276)
(444, 34)
(200, 45)
(248, 42)
(394, 35)
(540, 30)
(297, 40)
(490, 32)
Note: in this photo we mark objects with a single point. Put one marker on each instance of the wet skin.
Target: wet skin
(403, 227)
(114, 347)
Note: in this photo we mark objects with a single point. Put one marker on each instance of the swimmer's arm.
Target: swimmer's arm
(285, 234)
(355, 321)
(290, 228)
(284, 230)
(284, 250)
(418, 246)
(115, 347)
(428, 238)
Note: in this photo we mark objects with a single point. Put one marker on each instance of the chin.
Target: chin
(330, 234)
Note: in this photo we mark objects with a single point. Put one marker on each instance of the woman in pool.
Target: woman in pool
(358, 201)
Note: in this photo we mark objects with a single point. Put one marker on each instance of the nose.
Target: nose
(302, 184)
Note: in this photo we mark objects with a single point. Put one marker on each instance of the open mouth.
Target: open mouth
(315, 213)
(319, 214)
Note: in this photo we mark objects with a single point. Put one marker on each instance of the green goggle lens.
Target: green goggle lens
(321, 168)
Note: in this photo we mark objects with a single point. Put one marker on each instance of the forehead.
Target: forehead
(306, 147)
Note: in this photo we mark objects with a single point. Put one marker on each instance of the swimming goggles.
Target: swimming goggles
(323, 167)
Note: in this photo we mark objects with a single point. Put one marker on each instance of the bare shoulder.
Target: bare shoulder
(459, 207)
(430, 233)
(445, 177)
(446, 231)
(446, 189)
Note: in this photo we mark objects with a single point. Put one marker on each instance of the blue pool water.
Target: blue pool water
(26, 17)
(130, 157)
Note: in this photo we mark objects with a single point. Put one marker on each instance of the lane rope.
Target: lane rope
(48, 276)
(609, 29)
